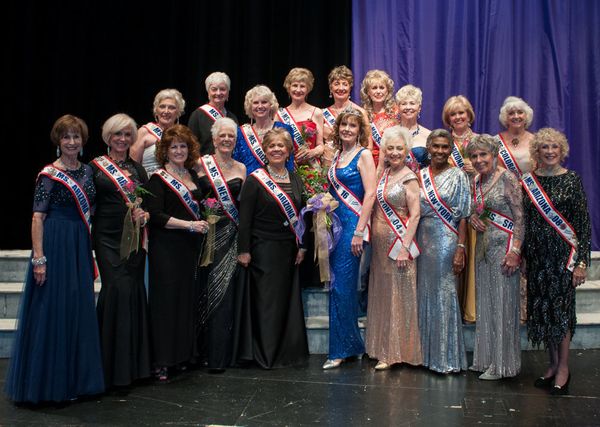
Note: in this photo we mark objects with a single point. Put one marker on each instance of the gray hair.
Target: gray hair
(220, 124)
(173, 94)
(409, 92)
(117, 123)
(439, 133)
(515, 103)
(216, 78)
(484, 142)
(396, 133)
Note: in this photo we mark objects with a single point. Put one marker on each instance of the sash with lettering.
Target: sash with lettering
(329, 117)
(507, 158)
(115, 174)
(251, 140)
(345, 194)
(552, 216)
(287, 118)
(155, 130)
(456, 159)
(395, 222)
(81, 199)
(181, 190)
(435, 201)
(497, 219)
(376, 134)
(219, 185)
(211, 112)
(282, 199)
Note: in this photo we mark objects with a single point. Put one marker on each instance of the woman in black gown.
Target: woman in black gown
(122, 307)
(221, 177)
(271, 328)
(554, 266)
(174, 251)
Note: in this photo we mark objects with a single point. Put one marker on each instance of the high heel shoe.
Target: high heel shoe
(563, 390)
(543, 382)
(332, 364)
(382, 366)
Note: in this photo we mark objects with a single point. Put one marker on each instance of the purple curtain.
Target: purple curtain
(546, 52)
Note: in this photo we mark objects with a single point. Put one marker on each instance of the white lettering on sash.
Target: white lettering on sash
(115, 174)
(287, 118)
(376, 134)
(329, 117)
(182, 191)
(442, 210)
(253, 143)
(211, 112)
(497, 219)
(219, 185)
(456, 158)
(154, 129)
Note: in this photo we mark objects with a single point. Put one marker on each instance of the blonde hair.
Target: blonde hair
(370, 79)
(117, 123)
(299, 74)
(548, 135)
(260, 91)
(173, 94)
(452, 104)
(341, 73)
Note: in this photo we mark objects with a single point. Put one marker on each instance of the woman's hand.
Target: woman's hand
(300, 256)
(458, 262)
(468, 168)
(138, 214)
(511, 263)
(579, 276)
(403, 258)
(477, 224)
(245, 258)
(357, 245)
(198, 226)
(39, 274)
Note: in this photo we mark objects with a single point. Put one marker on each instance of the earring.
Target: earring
(108, 149)
(419, 115)
(81, 151)
(57, 151)
(428, 156)
(330, 95)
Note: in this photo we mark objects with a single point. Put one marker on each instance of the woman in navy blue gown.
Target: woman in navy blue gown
(352, 181)
(56, 355)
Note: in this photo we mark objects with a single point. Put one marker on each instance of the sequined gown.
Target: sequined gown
(217, 290)
(345, 339)
(392, 334)
(56, 354)
(243, 153)
(439, 310)
(497, 342)
(551, 295)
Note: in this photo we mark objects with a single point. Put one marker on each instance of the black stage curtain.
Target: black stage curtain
(97, 58)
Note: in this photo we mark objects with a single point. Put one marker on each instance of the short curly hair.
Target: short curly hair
(181, 133)
(299, 74)
(260, 91)
(548, 135)
(117, 123)
(439, 133)
(512, 103)
(454, 103)
(395, 133)
(173, 94)
(67, 123)
(275, 134)
(484, 142)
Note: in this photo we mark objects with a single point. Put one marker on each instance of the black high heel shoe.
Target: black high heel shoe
(563, 390)
(543, 382)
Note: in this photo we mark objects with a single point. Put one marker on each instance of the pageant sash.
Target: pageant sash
(395, 222)
(81, 199)
(219, 185)
(435, 201)
(211, 112)
(542, 202)
(346, 195)
(287, 118)
(253, 143)
(115, 174)
(329, 117)
(282, 199)
(376, 134)
(154, 129)
(181, 190)
(497, 219)
(507, 158)
(456, 159)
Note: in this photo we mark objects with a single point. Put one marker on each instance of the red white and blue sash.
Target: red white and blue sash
(395, 222)
(507, 158)
(456, 159)
(181, 190)
(542, 202)
(442, 210)
(345, 194)
(81, 199)
(253, 143)
(497, 219)
(211, 112)
(154, 129)
(376, 134)
(115, 174)
(282, 199)
(287, 118)
(219, 185)
(329, 117)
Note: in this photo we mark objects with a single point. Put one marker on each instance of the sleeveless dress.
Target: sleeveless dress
(344, 334)
(56, 355)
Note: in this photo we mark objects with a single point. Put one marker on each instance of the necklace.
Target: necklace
(226, 165)
(416, 131)
(180, 172)
(285, 175)
(346, 153)
(68, 167)
(515, 142)
(551, 171)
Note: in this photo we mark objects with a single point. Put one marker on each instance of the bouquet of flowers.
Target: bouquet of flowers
(130, 238)
(308, 134)
(212, 209)
(314, 180)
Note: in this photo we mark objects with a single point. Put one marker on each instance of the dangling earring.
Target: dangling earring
(108, 149)
(57, 152)
(330, 95)
(428, 156)
(419, 115)
(81, 151)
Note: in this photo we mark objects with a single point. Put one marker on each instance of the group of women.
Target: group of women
(451, 217)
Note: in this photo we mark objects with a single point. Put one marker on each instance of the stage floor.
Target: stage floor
(353, 395)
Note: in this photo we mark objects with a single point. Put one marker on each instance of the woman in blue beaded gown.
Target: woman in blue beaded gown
(56, 355)
(352, 179)
(445, 203)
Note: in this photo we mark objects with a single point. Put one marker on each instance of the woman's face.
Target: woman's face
(224, 142)
(409, 109)
(298, 90)
(218, 94)
(459, 119)
(177, 153)
(395, 153)
(348, 130)
(167, 113)
(261, 108)
(482, 161)
(120, 141)
(340, 89)
(439, 149)
(277, 152)
(549, 154)
(516, 119)
(378, 92)
(70, 143)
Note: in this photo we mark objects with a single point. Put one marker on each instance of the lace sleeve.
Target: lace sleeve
(41, 196)
(514, 196)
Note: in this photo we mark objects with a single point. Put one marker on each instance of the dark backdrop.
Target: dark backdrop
(95, 59)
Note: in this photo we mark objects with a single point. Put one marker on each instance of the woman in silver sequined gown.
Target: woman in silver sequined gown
(497, 350)
(442, 258)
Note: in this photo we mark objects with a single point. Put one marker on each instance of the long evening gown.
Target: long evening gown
(439, 310)
(345, 339)
(551, 295)
(497, 346)
(56, 355)
(392, 334)
(122, 304)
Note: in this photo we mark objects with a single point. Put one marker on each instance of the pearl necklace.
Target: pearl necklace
(285, 175)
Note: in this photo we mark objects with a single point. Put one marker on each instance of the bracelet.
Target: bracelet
(143, 224)
(191, 227)
(582, 265)
(515, 250)
(359, 233)
(39, 261)
(461, 245)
